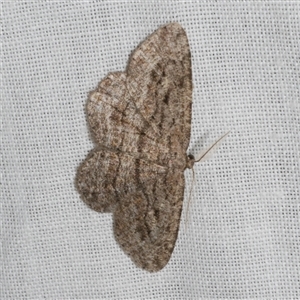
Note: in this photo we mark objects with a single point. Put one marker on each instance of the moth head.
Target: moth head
(190, 160)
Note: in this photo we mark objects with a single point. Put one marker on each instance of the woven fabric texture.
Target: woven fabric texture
(241, 238)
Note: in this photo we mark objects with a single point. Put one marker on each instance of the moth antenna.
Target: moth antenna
(202, 156)
(189, 199)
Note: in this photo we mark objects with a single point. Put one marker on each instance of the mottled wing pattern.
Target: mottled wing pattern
(159, 81)
(146, 222)
(106, 176)
(141, 121)
(118, 126)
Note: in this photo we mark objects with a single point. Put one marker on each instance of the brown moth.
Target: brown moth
(141, 122)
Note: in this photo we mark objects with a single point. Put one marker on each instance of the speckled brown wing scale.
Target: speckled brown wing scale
(141, 121)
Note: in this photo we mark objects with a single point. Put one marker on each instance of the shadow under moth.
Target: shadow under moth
(140, 120)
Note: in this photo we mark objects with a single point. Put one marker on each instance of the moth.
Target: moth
(140, 120)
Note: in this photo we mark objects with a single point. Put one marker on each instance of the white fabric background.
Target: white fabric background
(242, 234)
